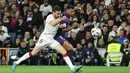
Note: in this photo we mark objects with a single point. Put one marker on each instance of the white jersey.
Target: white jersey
(50, 30)
(47, 36)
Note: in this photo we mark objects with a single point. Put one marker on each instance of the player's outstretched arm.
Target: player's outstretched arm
(69, 28)
(56, 22)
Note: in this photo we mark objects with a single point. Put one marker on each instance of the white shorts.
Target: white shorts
(46, 42)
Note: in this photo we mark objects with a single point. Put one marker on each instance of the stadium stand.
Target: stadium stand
(23, 20)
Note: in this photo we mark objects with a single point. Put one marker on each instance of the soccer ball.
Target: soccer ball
(96, 32)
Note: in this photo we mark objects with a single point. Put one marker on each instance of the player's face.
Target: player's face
(71, 12)
(57, 14)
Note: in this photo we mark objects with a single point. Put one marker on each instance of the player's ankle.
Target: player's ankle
(16, 62)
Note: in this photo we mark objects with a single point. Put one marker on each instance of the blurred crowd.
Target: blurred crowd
(22, 21)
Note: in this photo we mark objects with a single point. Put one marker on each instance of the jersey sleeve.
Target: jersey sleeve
(49, 18)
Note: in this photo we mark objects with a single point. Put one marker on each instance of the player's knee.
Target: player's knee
(65, 55)
(64, 52)
(70, 48)
(67, 46)
(60, 49)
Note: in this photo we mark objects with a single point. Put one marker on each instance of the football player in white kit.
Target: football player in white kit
(47, 40)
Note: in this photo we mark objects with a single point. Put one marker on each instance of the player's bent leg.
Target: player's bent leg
(29, 54)
(64, 43)
(68, 46)
(61, 50)
(26, 56)
(70, 50)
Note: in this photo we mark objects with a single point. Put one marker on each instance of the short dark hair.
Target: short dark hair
(56, 8)
(70, 7)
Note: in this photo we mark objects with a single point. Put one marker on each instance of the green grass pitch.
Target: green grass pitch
(63, 69)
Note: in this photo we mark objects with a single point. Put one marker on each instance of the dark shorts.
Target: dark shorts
(60, 39)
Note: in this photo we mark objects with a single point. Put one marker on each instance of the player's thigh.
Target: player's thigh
(42, 43)
(60, 39)
(67, 45)
(55, 45)
(63, 42)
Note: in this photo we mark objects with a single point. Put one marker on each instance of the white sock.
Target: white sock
(24, 57)
(68, 61)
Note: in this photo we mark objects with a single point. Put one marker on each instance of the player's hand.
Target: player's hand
(64, 18)
(62, 26)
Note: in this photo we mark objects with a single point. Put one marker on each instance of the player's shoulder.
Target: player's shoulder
(63, 13)
(49, 17)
